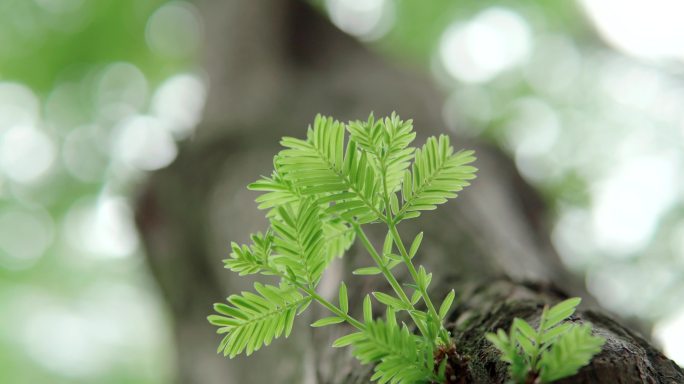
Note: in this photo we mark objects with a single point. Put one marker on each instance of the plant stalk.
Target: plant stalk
(414, 274)
(388, 276)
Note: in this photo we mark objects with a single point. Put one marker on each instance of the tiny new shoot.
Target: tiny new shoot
(556, 349)
(323, 190)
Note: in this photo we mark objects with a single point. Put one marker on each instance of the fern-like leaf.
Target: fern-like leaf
(573, 350)
(321, 165)
(554, 350)
(436, 175)
(299, 242)
(338, 238)
(251, 320)
(399, 355)
(367, 134)
(388, 141)
(518, 368)
(278, 191)
(248, 260)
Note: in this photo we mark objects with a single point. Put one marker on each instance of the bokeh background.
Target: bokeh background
(587, 96)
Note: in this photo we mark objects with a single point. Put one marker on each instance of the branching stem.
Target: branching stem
(388, 275)
(334, 309)
(320, 299)
(444, 336)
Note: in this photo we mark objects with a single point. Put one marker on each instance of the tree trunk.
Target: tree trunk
(273, 65)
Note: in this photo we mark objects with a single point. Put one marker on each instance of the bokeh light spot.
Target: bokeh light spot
(26, 154)
(495, 40)
(174, 30)
(25, 236)
(81, 155)
(670, 333)
(18, 105)
(179, 101)
(628, 205)
(646, 28)
(145, 143)
(366, 19)
(122, 91)
(102, 227)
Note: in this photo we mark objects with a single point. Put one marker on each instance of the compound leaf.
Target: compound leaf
(251, 320)
(571, 351)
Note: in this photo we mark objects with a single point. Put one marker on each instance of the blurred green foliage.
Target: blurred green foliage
(598, 131)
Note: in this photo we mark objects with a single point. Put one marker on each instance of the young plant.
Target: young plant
(552, 351)
(322, 192)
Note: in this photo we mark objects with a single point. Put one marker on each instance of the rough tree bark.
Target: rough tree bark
(273, 65)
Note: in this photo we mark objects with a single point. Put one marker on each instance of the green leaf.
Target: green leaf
(338, 238)
(424, 278)
(387, 244)
(367, 309)
(277, 191)
(550, 335)
(436, 175)
(367, 271)
(415, 245)
(321, 189)
(446, 304)
(561, 311)
(253, 259)
(389, 301)
(327, 321)
(251, 320)
(398, 355)
(348, 339)
(573, 350)
(387, 141)
(415, 297)
(526, 345)
(394, 203)
(500, 343)
(561, 351)
(525, 328)
(299, 242)
(322, 165)
(344, 299)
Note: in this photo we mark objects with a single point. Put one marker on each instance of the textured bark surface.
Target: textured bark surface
(626, 357)
(273, 65)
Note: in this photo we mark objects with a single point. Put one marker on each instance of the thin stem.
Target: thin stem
(337, 311)
(537, 340)
(388, 275)
(330, 306)
(388, 208)
(414, 274)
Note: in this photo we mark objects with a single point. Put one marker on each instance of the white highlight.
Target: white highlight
(179, 101)
(68, 347)
(18, 105)
(628, 205)
(102, 228)
(533, 127)
(646, 28)
(144, 143)
(365, 19)
(26, 154)
(495, 40)
(670, 333)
